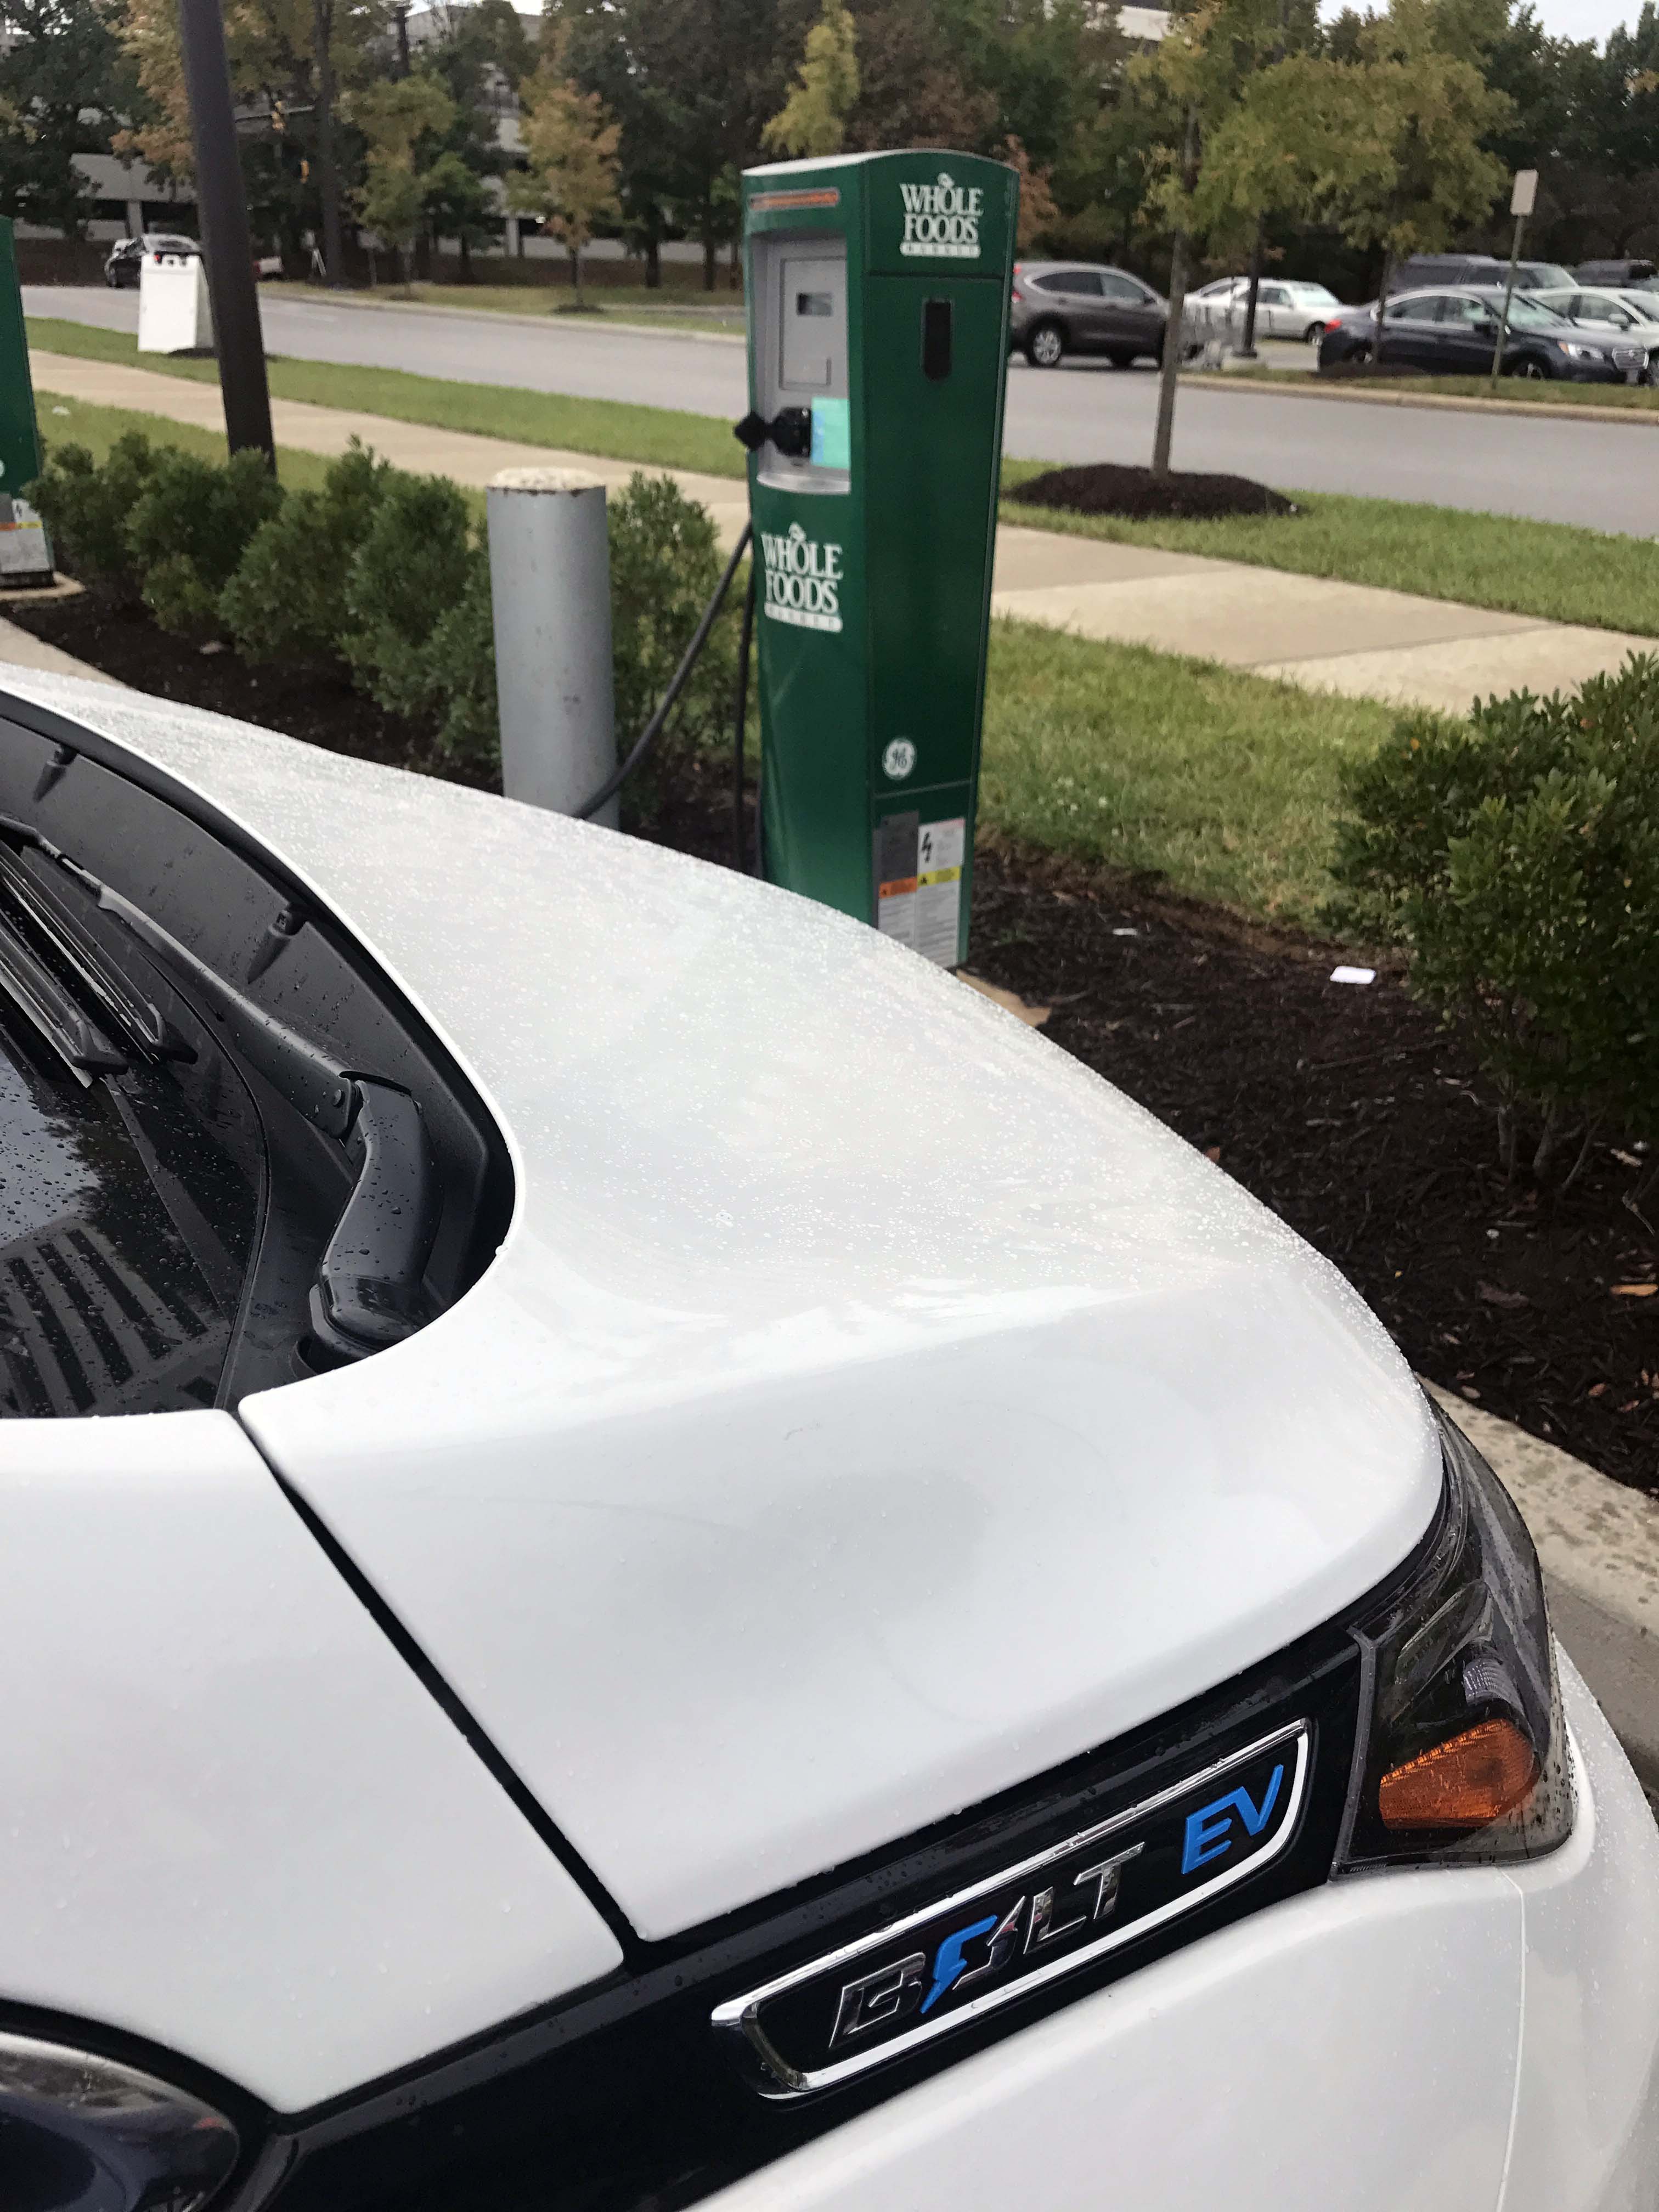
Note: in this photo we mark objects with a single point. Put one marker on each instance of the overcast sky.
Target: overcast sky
(1585, 19)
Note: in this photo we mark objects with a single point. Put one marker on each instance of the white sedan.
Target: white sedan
(1633, 313)
(650, 1557)
(1283, 309)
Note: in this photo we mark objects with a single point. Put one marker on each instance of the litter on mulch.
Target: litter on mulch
(1107, 488)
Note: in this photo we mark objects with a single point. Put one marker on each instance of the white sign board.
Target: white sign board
(173, 314)
(1525, 192)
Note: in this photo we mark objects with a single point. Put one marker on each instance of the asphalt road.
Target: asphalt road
(1602, 474)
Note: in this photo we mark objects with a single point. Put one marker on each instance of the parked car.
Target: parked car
(1633, 315)
(1454, 334)
(1418, 269)
(1285, 308)
(642, 1544)
(1616, 273)
(1063, 307)
(121, 264)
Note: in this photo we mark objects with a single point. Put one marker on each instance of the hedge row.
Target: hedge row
(380, 572)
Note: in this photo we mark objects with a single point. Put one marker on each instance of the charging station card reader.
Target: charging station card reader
(879, 296)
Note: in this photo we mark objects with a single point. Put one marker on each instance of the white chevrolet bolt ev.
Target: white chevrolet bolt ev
(651, 1558)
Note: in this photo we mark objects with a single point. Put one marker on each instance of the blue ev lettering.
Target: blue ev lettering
(942, 221)
(803, 578)
(1211, 1832)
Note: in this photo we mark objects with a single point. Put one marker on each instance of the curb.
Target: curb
(1646, 418)
(1599, 1542)
(354, 300)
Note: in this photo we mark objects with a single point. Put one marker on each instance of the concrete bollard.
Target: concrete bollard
(549, 582)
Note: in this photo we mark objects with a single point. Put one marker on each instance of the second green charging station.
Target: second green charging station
(879, 289)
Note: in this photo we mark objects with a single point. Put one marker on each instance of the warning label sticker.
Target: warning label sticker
(919, 882)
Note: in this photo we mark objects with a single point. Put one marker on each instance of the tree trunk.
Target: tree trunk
(1247, 350)
(1382, 302)
(576, 272)
(328, 167)
(653, 256)
(709, 247)
(1171, 369)
(467, 260)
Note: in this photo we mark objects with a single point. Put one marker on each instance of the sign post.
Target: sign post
(25, 557)
(1520, 206)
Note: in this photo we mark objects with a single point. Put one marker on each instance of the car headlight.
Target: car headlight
(1574, 352)
(83, 2133)
(1464, 1756)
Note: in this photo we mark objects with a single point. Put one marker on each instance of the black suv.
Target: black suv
(122, 263)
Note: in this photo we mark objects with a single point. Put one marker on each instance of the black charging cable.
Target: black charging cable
(654, 729)
(739, 727)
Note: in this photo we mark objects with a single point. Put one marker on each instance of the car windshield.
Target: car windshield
(1543, 276)
(1317, 293)
(1526, 314)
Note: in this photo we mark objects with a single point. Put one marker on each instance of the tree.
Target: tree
(1037, 211)
(911, 90)
(394, 117)
(569, 177)
(703, 78)
(813, 120)
(1199, 74)
(59, 63)
(303, 56)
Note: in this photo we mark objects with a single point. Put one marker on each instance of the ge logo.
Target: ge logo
(899, 759)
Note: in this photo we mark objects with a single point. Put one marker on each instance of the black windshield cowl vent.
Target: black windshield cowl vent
(368, 1291)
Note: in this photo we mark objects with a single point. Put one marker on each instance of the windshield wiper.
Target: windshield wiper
(140, 1019)
(35, 991)
(368, 1288)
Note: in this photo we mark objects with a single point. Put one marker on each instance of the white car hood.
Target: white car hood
(869, 1408)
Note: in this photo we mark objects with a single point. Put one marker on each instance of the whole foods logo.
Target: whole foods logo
(942, 221)
(803, 580)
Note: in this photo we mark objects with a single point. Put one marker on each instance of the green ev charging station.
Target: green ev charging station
(25, 557)
(878, 296)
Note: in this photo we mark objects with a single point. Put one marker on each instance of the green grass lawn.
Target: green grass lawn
(1637, 398)
(656, 437)
(65, 421)
(1224, 783)
(677, 307)
(1550, 569)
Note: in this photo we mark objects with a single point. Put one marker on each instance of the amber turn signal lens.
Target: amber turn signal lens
(1474, 1778)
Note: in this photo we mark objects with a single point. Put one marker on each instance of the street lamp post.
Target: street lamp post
(226, 244)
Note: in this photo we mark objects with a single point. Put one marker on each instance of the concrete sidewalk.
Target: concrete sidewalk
(1307, 630)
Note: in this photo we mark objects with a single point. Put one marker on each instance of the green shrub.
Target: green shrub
(665, 561)
(86, 509)
(462, 674)
(411, 569)
(1515, 857)
(287, 599)
(190, 525)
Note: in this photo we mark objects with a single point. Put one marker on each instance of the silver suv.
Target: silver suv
(1074, 307)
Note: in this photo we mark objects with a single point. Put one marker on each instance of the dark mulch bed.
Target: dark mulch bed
(1106, 488)
(317, 704)
(1345, 1108)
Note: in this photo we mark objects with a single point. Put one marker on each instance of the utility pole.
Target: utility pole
(1522, 201)
(223, 208)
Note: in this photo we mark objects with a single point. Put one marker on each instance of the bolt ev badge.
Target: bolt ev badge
(962, 1958)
